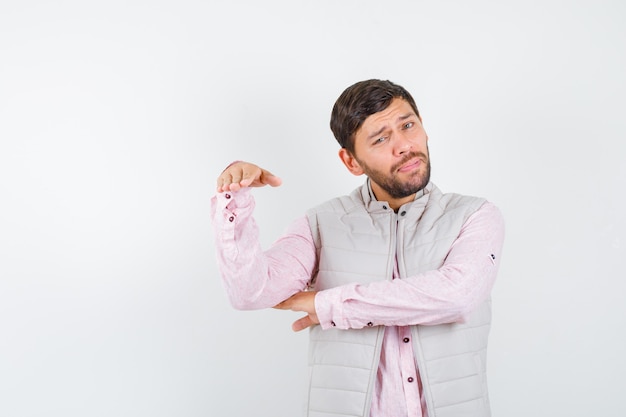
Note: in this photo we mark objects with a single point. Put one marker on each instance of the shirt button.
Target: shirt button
(333, 323)
(370, 324)
(384, 207)
(231, 219)
(227, 195)
(405, 340)
(403, 213)
(410, 379)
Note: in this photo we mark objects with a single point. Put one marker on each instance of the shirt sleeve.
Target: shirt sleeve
(255, 278)
(445, 295)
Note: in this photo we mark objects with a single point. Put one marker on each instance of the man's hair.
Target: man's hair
(358, 102)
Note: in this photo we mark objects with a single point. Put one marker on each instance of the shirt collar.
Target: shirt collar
(374, 205)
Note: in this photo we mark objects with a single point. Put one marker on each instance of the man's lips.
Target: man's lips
(410, 165)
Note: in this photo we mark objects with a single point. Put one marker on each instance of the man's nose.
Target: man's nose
(403, 145)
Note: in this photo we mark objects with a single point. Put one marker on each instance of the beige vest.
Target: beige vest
(358, 239)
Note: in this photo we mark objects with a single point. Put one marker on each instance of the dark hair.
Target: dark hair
(358, 102)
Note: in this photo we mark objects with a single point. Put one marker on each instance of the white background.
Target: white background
(116, 117)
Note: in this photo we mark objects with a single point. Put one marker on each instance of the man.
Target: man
(395, 278)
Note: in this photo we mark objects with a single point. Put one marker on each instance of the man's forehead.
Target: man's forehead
(399, 109)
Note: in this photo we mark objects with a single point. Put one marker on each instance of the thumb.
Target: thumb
(302, 323)
(270, 179)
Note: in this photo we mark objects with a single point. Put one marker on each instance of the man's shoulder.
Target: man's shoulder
(452, 200)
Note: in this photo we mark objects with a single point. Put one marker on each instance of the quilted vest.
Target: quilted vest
(358, 240)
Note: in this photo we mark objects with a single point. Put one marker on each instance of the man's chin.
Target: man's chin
(409, 190)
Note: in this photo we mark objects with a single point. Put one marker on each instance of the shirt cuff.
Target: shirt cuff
(332, 307)
(328, 307)
(228, 210)
(233, 199)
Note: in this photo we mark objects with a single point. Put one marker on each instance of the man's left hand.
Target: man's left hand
(301, 301)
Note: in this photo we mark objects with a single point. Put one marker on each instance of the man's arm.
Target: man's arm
(444, 295)
(255, 278)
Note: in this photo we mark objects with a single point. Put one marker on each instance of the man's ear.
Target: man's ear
(350, 162)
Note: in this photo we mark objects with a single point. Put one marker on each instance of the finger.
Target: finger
(223, 182)
(302, 324)
(232, 174)
(284, 305)
(270, 179)
(232, 180)
(234, 186)
(237, 182)
(249, 176)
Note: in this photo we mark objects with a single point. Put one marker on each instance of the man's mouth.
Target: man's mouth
(410, 165)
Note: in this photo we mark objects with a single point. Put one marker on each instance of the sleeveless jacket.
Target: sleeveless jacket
(358, 240)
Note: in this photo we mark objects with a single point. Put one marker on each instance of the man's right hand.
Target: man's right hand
(241, 174)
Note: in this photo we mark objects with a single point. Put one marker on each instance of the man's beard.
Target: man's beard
(392, 185)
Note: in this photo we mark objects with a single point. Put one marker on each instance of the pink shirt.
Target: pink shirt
(255, 278)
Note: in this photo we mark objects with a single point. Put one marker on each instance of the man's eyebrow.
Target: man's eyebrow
(406, 116)
(378, 132)
(382, 129)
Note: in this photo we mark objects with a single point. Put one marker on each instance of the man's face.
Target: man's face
(391, 149)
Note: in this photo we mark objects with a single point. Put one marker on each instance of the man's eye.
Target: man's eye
(379, 140)
(408, 125)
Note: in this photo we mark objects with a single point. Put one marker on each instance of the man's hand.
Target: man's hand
(301, 301)
(244, 174)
